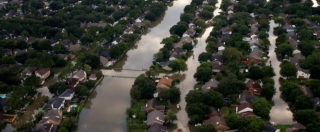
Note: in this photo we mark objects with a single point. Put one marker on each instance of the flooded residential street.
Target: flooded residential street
(280, 112)
(106, 107)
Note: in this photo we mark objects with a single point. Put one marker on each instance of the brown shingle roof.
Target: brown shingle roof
(164, 82)
(43, 71)
(244, 105)
(216, 121)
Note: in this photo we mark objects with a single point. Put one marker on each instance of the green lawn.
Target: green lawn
(283, 127)
(314, 41)
(198, 85)
(137, 130)
(137, 106)
(225, 111)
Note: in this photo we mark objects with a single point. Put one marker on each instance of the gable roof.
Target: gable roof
(269, 127)
(296, 58)
(216, 66)
(244, 105)
(157, 128)
(51, 115)
(245, 97)
(216, 121)
(43, 71)
(71, 81)
(67, 93)
(211, 83)
(152, 104)
(217, 57)
(164, 82)
(155, 116)
(103, 60)
(43, 127)
(255, 53)
(55, 103)
(80, 74)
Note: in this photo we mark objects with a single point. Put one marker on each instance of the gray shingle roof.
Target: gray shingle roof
(67, 93)
(155, 116)
(55, 103)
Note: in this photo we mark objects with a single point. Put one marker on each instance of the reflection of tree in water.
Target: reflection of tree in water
(29, 113)
(179, 76)
(88, 103)
(120, 63)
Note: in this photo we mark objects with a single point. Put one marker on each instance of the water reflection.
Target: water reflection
(107, 109)
(280, 112)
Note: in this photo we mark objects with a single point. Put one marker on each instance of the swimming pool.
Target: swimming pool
(71, 107)
(3, 95)
(245, 39)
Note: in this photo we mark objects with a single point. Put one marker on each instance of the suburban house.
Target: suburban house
(245, 110)
(68, 94)
(189, 33)
(43, 74)
(164, 82)
(153, 104)
(155, 117)
(66, 42)
(56, 103)
(295, 127)
(210, 85)
(214, 112)
(72, 82)
(81, 75)
(186, 40)
(158, 128)
(253, 60)
(75, 47)
(52, 116)
(316, 101)
(307, 91)
(45, 127)
(104, 61)
(217, 57)
(105, 54)
(256, 54)
(28, 71)
(253, 88)
(282, 15)
(174, 56)
(218, 122)
(246, 97)
(269, 127)
(165, 65)
(179, 50)
(216, 66)
(93, 77)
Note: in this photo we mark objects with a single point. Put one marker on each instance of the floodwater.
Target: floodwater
(280, 112)
(105, 110)
(189, 82)
(27, 116)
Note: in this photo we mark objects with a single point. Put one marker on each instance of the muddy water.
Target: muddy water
(280, 112)
(105, 111)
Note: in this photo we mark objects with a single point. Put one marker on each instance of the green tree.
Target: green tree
(232, 56)
(178, 29)
(303, 102)
(261, 107)
(32, 81)
(82, 90)
(203, 74)
(198, 109)
(39, 116)
(204, 57)
(281, 39)
(268, 91)
(214, 99)
(201, 23)
(195, 96)
(211, 47)
(143, 88)
(231, 86)
(86, 68)
(231, 120)
(206, 15)
(288, 69)
(172, 94)
(187, 17)
(268, 71)
(68, 122)
(306, 48)
(57, 88)
(129, 111)
(188, 46)
(25, 33)
(206, 128)
(306, 116)
(255, 72)
(280, 21)
(170, 117)
(63, 129)
(178, 65)
(315, 72)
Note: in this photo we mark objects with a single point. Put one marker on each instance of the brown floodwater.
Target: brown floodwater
(280, 112)
(105, 110)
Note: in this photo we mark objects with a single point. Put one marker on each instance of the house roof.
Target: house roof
(66, 42)
(51, 115)
(103, 60)
(186, 39)
(152, 104)
(67, 93)
(307, 91)
(215, 110)
(175, 55)
(296, 58)
(283, 15)
(28, 70)
(71, 81)
(165, 63)
(216, 121)
(56, 102)
(157, 128)
(179, 50)
(178, 45)
(43, 127)
(269, 127)
(217, 57)
(244, 105)
(216, 66)
(245, 97)
(166, 81)
(43, 71)
(155, 116)
(255, 53)
(74, 47)
(62, 55)
(212, 83)
(257, 61)
(80, 74)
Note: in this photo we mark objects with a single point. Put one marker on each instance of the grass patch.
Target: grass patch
(225, 111)
(314, 41)
(137, 130)
(283, 127)
(198, 85)
(137, 106)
